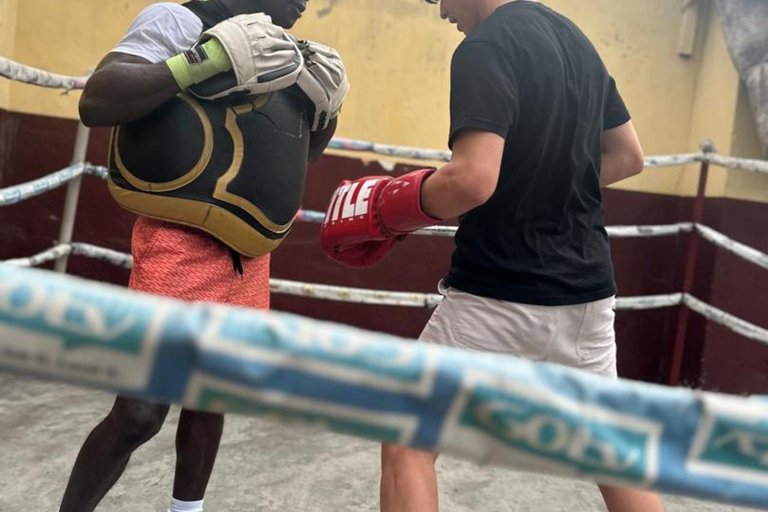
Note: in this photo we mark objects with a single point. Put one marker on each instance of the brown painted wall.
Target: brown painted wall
(32, 146)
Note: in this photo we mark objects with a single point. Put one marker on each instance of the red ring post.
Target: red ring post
(689, 276)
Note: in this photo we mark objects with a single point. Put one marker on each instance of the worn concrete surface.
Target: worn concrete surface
(262, 467)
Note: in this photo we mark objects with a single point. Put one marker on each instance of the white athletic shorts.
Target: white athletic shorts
(581, 336)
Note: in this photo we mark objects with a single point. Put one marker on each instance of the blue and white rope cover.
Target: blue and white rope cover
(24, 191)
(488, 408)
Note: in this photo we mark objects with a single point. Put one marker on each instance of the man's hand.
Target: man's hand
(367, 217)
(324, 81)
(262, 58)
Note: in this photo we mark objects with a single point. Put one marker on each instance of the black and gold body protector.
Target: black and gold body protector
(232, 168)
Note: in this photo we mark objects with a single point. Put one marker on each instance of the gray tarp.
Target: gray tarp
(745, 23)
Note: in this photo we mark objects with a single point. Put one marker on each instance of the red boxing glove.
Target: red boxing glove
(367, 217)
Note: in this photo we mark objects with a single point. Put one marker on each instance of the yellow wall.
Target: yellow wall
(745, 143)
(67, 37)
(714, 106)
(398, 52)
(7, 40)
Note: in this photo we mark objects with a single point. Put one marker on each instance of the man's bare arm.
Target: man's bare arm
(125, 88)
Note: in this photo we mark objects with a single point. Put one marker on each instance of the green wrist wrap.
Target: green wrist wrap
(199, 63)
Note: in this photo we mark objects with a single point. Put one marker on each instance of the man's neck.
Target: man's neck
(488, 7)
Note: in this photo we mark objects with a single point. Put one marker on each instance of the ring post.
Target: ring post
(73, 195)
(692, 254)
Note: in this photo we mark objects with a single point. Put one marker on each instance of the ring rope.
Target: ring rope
(318, 291)
(33, 76)
(491, 409)
(731, 322)
(613, 231)
(408, 299)
(743, 251)
(744, 164)
(17, 193)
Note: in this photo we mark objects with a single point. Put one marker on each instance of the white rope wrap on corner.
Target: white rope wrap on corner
(727, 320)
(743, 251)
(29, 75)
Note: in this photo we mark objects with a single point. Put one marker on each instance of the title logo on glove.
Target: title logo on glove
(345, 205)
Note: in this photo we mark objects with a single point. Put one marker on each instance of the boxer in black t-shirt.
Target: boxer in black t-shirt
(537, 128)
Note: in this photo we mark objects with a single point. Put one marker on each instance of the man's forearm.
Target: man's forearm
(448, 194)
(122, 92)
(618, 166)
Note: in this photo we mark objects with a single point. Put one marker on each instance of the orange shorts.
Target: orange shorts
(188, 264)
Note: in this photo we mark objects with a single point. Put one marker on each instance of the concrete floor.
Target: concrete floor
(262, 467)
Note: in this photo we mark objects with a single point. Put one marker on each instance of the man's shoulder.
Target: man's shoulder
(167, 11)
(166, 7)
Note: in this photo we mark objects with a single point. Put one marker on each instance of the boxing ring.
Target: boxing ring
(487, 408)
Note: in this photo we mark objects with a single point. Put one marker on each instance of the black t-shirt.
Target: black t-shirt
(531, 76)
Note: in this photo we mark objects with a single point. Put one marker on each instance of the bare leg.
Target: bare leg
(106, 452)
(408, 480)
(197, 443)
(619, 499)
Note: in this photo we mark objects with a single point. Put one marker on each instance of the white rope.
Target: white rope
(657, 162)
(727, 320)
(17, 193)
(406, 299)
(116, 258)
(44, 257)
(355, 295)
(744, 164)
(24, 191)
(390, 150)
(614, 231)
(743, 251)
(449, 231)
(651, 162)
(648, 302)
(648, 231)
(21, 73)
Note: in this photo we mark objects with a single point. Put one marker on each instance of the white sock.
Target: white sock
(185, 506)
